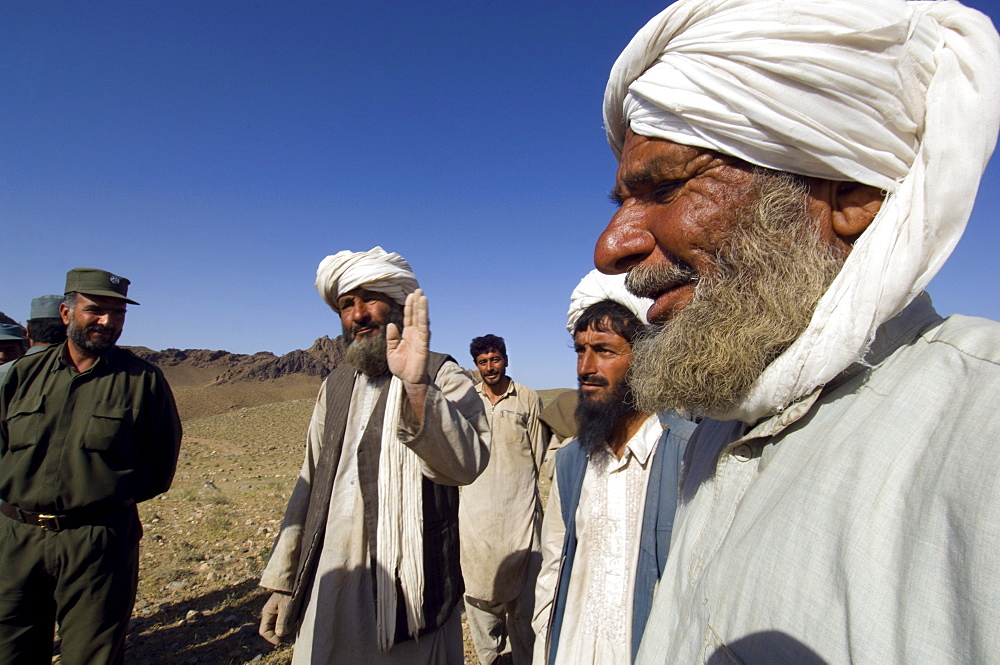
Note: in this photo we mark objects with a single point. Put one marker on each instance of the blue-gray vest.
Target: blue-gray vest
(657, 523)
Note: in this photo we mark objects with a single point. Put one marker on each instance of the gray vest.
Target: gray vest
(443, 586)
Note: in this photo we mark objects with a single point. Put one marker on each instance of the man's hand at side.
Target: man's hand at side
(272, 617)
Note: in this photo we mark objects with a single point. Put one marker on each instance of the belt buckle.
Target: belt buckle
(49, 522)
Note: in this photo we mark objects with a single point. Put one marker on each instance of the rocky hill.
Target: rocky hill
(223, 367)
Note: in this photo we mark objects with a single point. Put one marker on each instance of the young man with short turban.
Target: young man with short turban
(366, 565)
(791, 176)
(607, 526)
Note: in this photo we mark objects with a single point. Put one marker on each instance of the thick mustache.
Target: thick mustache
(648, 281)
(98, 328)
(592, 381)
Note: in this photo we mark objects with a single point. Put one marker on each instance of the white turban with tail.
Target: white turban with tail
(899, 95)
(375, 270)
(595, 287)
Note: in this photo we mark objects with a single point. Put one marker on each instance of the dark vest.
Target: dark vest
(443, 586)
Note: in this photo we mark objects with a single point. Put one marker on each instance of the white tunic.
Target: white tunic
(338, 624)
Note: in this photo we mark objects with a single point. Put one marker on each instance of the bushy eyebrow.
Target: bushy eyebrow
(651, 173)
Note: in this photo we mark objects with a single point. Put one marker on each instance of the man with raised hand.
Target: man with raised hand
(366, 565)
(607, 525)
(791, 176)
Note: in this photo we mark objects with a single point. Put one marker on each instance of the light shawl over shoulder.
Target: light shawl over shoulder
(890, 94)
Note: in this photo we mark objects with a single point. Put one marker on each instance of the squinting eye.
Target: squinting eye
(668, 188)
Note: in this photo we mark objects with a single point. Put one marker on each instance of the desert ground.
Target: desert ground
(208, 539)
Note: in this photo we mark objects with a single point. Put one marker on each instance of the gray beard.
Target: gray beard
(368, 355)
(761, 296)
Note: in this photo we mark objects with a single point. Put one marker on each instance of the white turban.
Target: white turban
(595, 287)
(899, 95)
(375, 270)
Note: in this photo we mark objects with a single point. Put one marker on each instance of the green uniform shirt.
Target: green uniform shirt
(72, 439)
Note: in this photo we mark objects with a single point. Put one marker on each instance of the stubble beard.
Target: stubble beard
(760, 297)
(368, 355)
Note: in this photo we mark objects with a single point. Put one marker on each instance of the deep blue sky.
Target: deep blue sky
(215, 152)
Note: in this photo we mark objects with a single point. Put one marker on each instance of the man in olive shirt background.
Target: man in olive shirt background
(87, 430)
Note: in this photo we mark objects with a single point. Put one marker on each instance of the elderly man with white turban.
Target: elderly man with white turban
(366, 564)
(791, 176)
(606, 531)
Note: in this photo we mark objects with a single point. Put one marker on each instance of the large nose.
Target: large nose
(585, 364)
(626, 241)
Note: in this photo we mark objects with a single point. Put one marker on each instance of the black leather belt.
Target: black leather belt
(54, 522)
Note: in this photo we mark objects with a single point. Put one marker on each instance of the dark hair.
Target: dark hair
(487, 343)
(47, 330)
(609, 316)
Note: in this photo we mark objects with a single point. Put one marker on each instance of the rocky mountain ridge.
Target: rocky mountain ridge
(317, 360)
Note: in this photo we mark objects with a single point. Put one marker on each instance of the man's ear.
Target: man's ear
(843, 209)
(855, 206)
(64, 314)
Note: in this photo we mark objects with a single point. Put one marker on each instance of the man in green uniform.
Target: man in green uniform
(87, 430)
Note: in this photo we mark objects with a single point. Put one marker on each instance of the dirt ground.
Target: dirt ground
(208, 539)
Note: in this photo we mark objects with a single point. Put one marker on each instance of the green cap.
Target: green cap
(11, 332)
(45, 307)
(95, 282)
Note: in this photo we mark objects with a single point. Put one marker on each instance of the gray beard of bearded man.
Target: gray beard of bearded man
(80, 336)
(767, 281)
(596, 418)
(367, 355)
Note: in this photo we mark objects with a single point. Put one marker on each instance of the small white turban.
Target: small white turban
(595, 287)
(903, 96)
(375, 270)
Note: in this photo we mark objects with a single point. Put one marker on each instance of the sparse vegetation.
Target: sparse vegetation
(208, 539)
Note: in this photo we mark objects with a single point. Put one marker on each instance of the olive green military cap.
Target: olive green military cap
(96, 282)
(45, 307)
(11, 332)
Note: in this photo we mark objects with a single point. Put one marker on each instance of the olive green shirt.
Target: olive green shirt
(70, 440)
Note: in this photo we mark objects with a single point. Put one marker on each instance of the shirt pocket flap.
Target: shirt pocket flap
(109, 424)
(24, 422)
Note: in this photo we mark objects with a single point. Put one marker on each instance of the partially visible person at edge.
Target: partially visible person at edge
(87, 430)
(44, 327)
(13, 342)
(607, 526)
(366, 565)
(791, 176)
(501, 514)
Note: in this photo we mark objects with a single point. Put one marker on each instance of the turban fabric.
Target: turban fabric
(899, 95)
(595, 287)
(375, 270)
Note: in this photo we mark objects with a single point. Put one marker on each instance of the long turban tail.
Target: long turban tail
(595, 287)
(899, 95)
(375, 270)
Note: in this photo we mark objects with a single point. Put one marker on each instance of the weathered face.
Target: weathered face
(95, 323)
(364, 313)
(678, 206)
(603, 359)
(10, 350)
(492, 365)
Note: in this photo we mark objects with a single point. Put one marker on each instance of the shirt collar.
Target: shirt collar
(898, 331)
(644, 441)
(481, 387)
